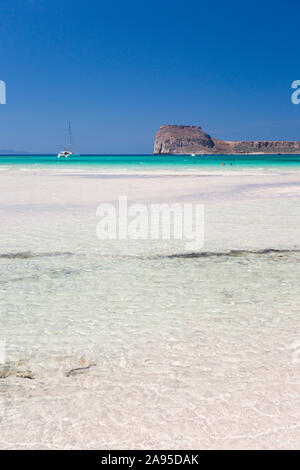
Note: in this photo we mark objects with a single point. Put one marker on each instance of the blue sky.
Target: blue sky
(121, 69)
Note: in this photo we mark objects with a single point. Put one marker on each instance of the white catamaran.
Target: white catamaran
(67, 152)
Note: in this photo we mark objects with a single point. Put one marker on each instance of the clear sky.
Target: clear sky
(120, 69)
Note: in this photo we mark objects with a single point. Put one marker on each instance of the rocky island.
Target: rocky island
(175, 139)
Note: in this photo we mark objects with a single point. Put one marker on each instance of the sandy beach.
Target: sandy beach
(135, 344)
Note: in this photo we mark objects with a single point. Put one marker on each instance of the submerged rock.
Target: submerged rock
(5, 371)
(78, 370)
(8, 370)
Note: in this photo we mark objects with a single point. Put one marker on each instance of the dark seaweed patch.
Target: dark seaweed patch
(29, 255)
(232, 253)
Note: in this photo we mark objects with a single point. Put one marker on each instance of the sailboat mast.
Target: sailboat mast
(70, 135)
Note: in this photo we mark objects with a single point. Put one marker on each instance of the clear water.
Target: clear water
(178, 350)
(144, 161)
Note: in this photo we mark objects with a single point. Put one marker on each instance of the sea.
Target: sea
(158, 162)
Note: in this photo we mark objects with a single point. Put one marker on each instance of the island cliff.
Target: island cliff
(173, 139)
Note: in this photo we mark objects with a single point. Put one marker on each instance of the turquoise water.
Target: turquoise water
(144, 161)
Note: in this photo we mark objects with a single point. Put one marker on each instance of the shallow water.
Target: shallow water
(159, 162)
(143, 344)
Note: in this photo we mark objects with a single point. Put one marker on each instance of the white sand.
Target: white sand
(184, 353)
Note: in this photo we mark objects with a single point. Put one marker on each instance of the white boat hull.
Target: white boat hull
(64, 154)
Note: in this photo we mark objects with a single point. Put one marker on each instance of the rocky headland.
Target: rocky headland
(174, 139)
